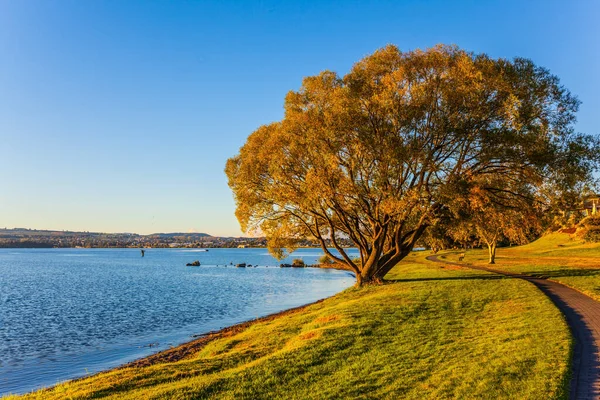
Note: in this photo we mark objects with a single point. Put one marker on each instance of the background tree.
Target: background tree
(494, 208)
(493, 225)
(374, 156)
(436, 238)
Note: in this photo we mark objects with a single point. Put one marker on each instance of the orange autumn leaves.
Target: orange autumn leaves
(375, 156)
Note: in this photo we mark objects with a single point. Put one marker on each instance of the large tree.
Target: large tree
(378, 154)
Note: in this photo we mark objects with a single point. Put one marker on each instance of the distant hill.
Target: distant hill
(32, 238)
(179, 234)
(24, 232)
(41, 232)
(19, 238)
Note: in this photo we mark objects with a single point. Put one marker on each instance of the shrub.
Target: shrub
(325, 260)
(591, 228)
(297, 262)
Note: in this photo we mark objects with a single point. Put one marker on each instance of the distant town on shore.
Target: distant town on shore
(35, 238)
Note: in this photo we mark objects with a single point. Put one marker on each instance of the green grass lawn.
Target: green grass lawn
(435, 332)
(557, 256)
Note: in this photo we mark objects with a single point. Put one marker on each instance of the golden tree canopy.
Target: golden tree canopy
(374, 156)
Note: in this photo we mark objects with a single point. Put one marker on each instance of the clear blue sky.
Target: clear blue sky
(118, 116)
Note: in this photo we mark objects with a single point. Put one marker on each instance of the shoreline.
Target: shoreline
(183, 350)
(186, 349)
(148, 247)
(189, 342)
(298, 341)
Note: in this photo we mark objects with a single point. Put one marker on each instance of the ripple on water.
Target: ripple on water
(69, 312)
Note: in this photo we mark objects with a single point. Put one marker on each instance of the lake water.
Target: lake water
(65, 313)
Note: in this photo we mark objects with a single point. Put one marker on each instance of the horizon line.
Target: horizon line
(125, 233)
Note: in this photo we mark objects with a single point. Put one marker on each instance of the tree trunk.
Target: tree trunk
(362, 280)
(379, 262)
(374, 272)
(365, 275)
(492, 252)
(359, 280)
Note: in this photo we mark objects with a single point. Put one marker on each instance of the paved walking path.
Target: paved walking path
(583, 316)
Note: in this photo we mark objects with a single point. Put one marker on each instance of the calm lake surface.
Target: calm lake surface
(65, 313)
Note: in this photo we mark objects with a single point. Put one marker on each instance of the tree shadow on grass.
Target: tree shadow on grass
(566, 272)
(451, 278)
(583, 317)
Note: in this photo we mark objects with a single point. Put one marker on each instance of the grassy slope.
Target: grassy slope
(436, 332)
(557, 256)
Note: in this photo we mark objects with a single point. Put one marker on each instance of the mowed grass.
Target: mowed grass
(435, 332)
(558, 256)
